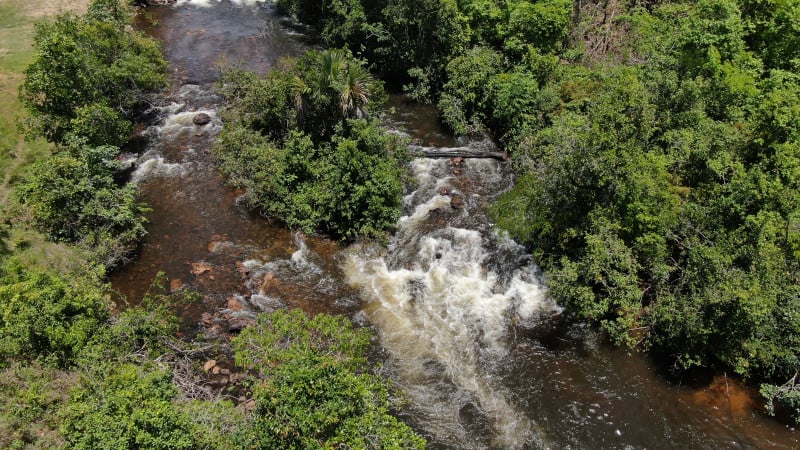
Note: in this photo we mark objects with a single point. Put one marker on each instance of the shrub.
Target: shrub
(72, 197)
(313, 390)
(45, 316)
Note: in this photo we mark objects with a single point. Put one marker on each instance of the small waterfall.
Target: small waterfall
(442, 309)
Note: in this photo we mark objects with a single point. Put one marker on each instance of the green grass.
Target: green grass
(29, 399)
(16, 154)
(16, 52)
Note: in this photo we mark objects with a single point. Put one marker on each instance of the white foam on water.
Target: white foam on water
(265, 303)
(183, 123)
(210, 3)
(199, 3)
(248, 2)
(157, 167)
(447, 309)
(442, 315)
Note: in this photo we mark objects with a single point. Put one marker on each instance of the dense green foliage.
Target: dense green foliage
(75, 373)
(302, 142)
(92, 69)
(136, 401)
(43, 316)
(403, 40)
(313, 391)
(657, 147)
(90, 75)
(29, 398)
(73, 197)
(309, 377)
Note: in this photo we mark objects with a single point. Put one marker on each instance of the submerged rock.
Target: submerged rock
(200, 268)
(234, 304)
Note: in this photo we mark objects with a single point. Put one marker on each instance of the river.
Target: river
(463, 321)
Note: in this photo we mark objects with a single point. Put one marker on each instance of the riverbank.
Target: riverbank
(17, 19)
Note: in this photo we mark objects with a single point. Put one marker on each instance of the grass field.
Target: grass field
(17, 18)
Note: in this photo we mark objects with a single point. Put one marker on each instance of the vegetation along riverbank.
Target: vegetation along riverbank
(79, 367)
(656, 151)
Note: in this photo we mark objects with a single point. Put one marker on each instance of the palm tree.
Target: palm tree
(354, 92)
(341, 81)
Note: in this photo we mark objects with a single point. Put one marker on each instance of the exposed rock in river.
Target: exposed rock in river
(201, 119)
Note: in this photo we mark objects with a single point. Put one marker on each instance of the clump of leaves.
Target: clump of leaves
(304, 145)
(313, 389)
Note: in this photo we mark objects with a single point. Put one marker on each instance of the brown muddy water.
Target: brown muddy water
(463, 321)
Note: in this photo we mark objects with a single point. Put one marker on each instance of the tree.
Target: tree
(544, 24)
(90, 60)
(465, 101)
(73, 198)
(295, 141)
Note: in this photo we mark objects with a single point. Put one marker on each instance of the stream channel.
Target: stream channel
(462, 318)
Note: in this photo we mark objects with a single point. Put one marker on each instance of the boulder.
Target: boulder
(201, 119)
(236, 324)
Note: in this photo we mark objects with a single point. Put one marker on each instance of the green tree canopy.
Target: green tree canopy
(94, 59)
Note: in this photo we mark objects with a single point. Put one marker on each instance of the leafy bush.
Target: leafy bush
(45, 316)
(465, 97)
(128, 407)
(218, 424)
(92, 60)
(295, 141)
(100, 125)
(313, 390)
(74, 198)
(785, 397)
(30, 395)
(544, 24)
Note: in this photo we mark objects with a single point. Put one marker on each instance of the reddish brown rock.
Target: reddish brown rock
(209, 365)
(457, 202)
(234, 304)
(200, 268)
(175, 285)
(266, 281)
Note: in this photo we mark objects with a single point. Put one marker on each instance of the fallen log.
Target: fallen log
(454, 152)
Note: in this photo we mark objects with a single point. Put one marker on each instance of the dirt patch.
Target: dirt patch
(37, 9)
